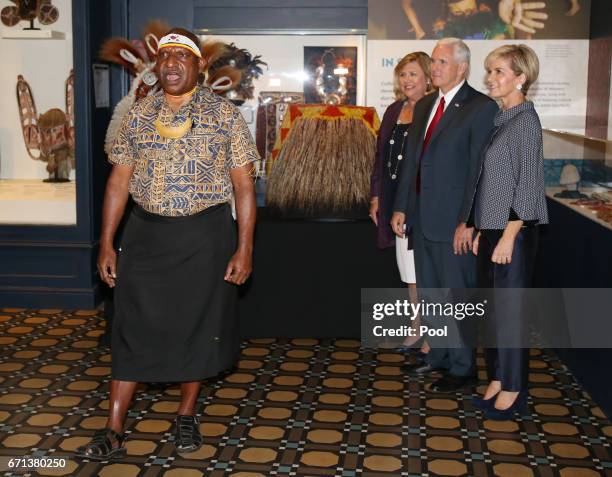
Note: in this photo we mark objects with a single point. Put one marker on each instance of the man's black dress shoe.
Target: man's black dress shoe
(451, 383)
(410, 349)
(419, 368)
(408, 352)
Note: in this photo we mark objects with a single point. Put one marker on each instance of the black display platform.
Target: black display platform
(308, 275)
(576, 252)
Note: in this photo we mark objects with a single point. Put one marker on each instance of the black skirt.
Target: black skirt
(175, 315)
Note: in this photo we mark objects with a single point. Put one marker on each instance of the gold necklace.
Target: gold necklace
(174, 132)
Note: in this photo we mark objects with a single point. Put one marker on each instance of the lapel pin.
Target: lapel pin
(457, 105)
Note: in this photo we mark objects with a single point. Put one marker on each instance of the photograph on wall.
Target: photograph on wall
(331, 74)
(478, 19)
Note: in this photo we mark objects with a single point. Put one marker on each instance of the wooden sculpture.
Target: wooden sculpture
(50, 137)
(29, 10)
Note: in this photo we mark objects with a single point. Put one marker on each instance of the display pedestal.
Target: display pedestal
(28, 34)
(574, 252)
(308, 274)
(32, 201)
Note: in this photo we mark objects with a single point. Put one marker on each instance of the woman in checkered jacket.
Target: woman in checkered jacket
(509, 206)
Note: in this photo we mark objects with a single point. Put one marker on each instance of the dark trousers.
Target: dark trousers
(437, 266)
(508, 363)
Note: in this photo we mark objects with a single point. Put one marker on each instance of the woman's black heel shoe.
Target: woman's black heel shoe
(484, 404)
(519, 406)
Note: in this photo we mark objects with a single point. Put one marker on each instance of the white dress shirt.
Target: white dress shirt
(448, 97)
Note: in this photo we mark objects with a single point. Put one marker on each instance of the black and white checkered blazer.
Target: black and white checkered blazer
(511, 182)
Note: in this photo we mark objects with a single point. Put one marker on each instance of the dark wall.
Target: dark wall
(598, 89)
(251, 14)
(177, 13)
(99, 29)
(601, 21)
(119, 27)
(281, 14)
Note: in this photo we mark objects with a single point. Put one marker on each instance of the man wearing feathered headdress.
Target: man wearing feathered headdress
(139, 58)
(182, 154)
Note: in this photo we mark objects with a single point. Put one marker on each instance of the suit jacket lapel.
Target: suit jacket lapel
(423, 123)
(450, 112)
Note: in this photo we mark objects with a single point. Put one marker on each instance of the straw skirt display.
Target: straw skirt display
(175, 315)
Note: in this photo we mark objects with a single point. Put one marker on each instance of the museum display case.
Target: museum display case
(578, 174)
(37, 157)
(574, 248)
(52, 164)
(310, 87)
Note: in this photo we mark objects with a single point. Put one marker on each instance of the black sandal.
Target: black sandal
(187, 437)
(106, 444)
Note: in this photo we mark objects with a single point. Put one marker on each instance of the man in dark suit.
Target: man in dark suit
(436, 191)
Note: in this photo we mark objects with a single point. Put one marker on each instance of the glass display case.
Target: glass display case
(306, 76)
(52, 169)
(37, 156)
(299, 67)
(578, 174)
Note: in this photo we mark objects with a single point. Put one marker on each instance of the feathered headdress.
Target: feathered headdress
(242, 60)
(139, 57)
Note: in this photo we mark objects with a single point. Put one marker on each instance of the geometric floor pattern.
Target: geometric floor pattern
(301, 407)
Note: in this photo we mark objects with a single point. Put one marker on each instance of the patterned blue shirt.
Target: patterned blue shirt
(176, 177)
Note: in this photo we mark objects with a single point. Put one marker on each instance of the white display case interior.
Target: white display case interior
(44, 58)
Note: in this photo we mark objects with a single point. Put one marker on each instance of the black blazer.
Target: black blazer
(450, 165)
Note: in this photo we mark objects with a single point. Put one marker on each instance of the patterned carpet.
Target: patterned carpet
(302, 407)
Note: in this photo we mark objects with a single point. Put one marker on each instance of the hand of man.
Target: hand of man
(374, 210)
(475, 244)
(398, 219)
(522, 15)
(107, 265)
(502, 255)
(239, 267)
(462, 242)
